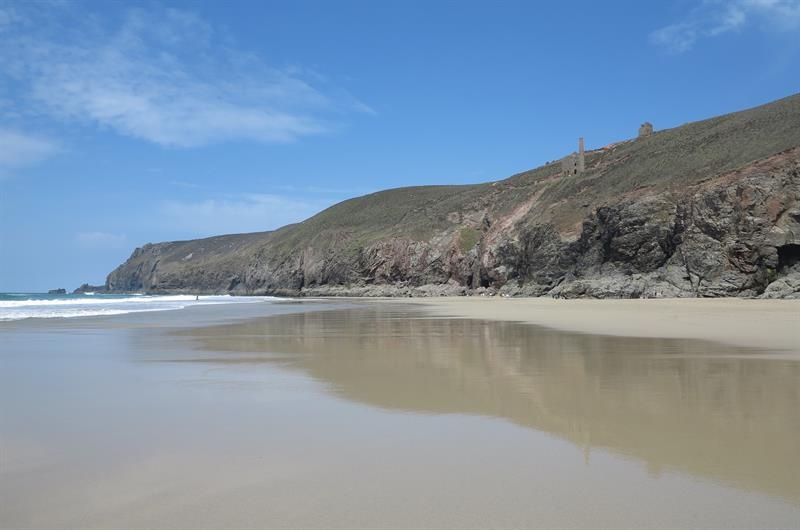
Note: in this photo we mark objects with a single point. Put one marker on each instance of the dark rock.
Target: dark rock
(86, 288)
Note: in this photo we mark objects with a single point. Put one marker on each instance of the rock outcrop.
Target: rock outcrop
(710, 208)
(87, 288)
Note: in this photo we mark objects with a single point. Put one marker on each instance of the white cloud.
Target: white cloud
(19, 149)
(101, 240)
(716, 17)
(166, 76)
(238, 213)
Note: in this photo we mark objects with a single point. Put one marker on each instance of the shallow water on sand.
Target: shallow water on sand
(374, 416)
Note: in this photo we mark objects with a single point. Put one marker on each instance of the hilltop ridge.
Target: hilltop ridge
(710, 208)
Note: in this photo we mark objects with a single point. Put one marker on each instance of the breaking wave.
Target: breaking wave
(18, 306)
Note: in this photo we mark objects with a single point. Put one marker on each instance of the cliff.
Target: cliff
(711, 208)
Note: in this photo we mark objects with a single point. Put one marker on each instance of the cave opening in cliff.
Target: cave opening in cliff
(788, 257)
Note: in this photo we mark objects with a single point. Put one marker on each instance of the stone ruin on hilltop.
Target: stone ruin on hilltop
(574, 163)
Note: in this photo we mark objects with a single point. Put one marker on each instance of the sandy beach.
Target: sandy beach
(762, 324)
(436, 413)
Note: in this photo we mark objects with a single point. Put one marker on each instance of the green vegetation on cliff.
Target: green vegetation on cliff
(626, 215)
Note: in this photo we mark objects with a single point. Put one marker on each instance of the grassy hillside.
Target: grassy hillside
(672, 159)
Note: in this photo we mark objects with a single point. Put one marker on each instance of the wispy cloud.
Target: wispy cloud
(101, 240)
(165, 76)
(238, 213)
(716, 17)
(19, 149)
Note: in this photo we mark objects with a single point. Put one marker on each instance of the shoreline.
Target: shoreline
(762, 324)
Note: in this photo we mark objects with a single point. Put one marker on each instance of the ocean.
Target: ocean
(18, 306)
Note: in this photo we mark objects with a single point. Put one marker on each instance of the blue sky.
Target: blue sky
(122, 124)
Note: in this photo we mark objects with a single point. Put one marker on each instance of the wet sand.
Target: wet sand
(763, 324)
(362, 414)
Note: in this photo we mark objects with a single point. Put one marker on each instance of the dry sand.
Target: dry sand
(763, 324)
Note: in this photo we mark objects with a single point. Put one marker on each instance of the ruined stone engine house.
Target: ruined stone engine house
(574, 163)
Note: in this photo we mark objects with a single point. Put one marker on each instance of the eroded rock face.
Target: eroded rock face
(735, 235)
(722, 238)
(710, 208)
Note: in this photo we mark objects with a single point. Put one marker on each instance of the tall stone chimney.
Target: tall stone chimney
(581, 160)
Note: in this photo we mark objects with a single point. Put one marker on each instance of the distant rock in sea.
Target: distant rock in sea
(57, 291)
(86, 288)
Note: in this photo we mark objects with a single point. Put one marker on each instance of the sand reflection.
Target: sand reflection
(710, 410)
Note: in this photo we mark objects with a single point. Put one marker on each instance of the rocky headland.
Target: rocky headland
(707, 209)
(87, 288)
